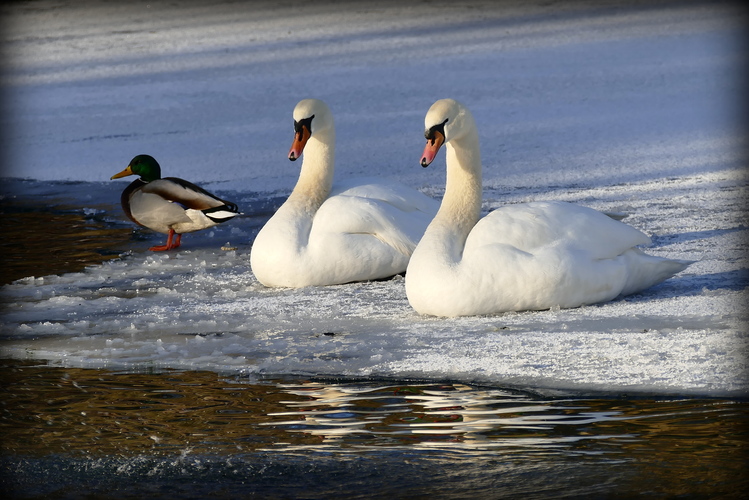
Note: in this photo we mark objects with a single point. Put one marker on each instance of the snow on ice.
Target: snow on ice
(631, 107)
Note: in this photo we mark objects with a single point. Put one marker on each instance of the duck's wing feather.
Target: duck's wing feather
(150, 208)
(185, 193)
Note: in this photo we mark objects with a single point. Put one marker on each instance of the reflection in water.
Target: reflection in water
(117, 422)
(455, 417)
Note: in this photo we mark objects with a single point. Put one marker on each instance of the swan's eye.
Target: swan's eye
(302, 124)
(429, 134)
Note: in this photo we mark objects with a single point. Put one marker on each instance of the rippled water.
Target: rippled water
(53, 238)
(85, 433)
(194, 433)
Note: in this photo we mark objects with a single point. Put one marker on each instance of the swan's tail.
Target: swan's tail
(616, 215)
(647, 270)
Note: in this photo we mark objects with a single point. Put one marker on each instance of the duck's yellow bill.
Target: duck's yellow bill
(124, 173)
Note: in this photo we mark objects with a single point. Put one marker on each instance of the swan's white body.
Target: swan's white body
(519, 257)
(324, 234)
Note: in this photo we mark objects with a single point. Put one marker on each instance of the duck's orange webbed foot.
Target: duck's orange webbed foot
(169, 244)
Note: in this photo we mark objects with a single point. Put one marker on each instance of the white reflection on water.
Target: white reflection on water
(199, 435)
(457, 417)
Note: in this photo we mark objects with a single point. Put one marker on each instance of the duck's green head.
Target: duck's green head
(143, 165)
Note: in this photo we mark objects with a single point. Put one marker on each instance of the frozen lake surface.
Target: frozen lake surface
(630, 108)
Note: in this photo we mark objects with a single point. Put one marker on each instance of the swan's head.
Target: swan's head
(446, 120)
(311, 117)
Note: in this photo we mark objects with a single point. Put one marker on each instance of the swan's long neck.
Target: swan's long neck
(316, 176)
(281, 247)
(461, 205)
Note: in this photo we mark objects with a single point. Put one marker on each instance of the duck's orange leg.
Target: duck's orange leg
(169, 245)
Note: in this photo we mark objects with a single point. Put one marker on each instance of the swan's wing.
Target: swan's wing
(399, 196)
(532, 226)
(382, 220)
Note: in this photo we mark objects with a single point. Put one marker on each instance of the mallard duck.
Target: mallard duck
(522, 256)
(170, 205)
(332, 233)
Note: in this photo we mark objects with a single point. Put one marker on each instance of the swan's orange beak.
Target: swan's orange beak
(433, 146)
(124, 173)
(300, 140)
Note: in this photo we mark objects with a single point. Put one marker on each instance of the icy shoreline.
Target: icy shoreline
(632, 108)
(201, 308)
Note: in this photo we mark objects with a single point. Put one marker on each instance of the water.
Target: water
(194, 434)
(132, 375)
(72, 432)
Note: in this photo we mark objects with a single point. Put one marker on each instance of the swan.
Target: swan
(325, 234)
(169, 205)
(527, 256)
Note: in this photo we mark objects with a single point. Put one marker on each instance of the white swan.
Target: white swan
(323, 234)
(519, 257)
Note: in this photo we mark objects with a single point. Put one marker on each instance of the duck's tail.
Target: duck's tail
(222, 213)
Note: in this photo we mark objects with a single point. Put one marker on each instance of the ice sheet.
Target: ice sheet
(628, 107)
